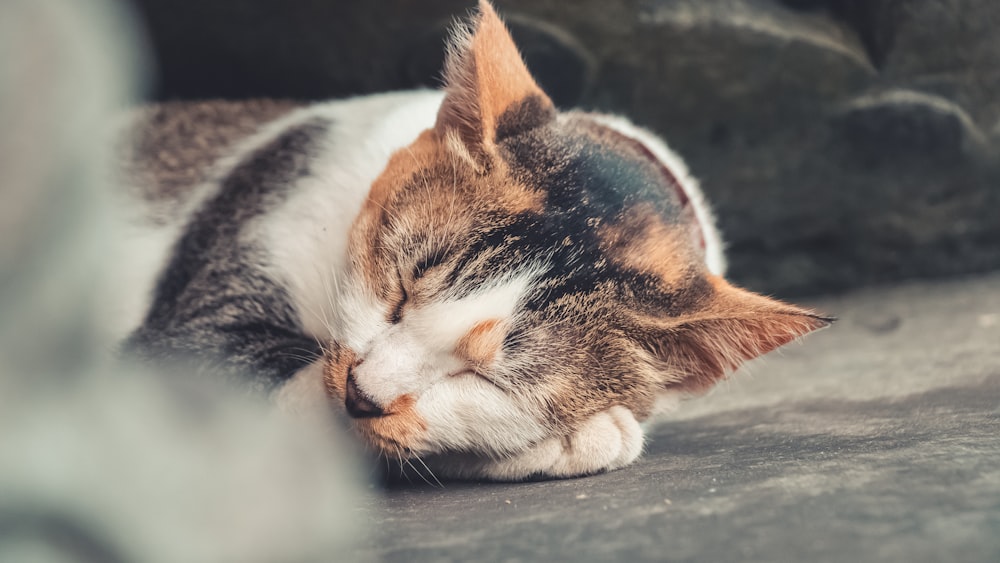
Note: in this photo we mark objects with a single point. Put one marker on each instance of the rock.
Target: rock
(843, 142)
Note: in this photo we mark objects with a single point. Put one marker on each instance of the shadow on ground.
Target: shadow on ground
(776, 468)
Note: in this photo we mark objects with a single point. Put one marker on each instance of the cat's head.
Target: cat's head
(516, 270)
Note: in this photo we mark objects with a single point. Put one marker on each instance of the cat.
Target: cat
(478, 281)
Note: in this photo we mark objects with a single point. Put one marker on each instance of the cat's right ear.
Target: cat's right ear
(490, 93)
(696, 350)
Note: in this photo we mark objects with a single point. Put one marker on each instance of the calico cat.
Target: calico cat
(479, 281)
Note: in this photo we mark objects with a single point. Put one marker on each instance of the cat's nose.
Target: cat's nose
(359, 406)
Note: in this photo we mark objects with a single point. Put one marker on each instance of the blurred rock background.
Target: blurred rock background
(843, 142)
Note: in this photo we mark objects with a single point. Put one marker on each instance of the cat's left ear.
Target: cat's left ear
(490, 93)
(695, 351)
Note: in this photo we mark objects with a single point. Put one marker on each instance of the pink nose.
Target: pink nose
(359, 406)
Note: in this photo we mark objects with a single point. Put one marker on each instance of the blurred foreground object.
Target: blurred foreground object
(97, 462)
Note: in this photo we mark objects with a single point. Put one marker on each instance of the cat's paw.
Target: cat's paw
(609, 440)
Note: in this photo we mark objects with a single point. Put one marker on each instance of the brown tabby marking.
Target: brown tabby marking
(428, 184)
(172, 146)
(647, 244)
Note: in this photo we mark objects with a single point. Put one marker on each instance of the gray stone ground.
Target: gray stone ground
(877, 439)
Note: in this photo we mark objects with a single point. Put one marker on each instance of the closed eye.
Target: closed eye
(429, 261)
(469, 372)
(397, 312)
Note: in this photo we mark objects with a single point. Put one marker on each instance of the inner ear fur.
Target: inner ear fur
(695, 351)
(489, 91)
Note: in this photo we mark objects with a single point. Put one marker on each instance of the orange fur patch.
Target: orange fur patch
(444, 205)
(514, 197)
(658, 248)
(481, 345)
(701, 348)
(335, 366)
(501, 77)
(485, 76)
(399, 431)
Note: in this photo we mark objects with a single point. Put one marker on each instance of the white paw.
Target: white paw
(609, 440)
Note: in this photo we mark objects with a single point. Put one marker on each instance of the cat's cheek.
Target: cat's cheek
(467, 413)
(336, 363)
(399, 433)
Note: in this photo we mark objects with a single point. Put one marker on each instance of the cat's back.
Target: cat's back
(170, 149)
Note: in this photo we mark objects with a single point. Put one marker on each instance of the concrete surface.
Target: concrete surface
(876, 440)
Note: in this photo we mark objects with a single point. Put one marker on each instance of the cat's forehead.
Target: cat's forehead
(584, 164)
(613, 214)
(570, 192)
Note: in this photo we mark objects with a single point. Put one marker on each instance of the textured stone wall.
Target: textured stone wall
(844, 142)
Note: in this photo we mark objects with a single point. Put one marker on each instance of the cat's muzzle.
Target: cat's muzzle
(358, 405)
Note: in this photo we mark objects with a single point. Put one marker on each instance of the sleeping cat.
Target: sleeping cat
(479, 281)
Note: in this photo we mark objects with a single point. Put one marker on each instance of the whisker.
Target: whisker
(429, 472)
(329, 298)
(419, 474)
(402, 470)
(307, 359)
(391, 215)
(324, 322)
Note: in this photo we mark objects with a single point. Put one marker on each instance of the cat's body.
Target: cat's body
(501, 289)
(319, 162)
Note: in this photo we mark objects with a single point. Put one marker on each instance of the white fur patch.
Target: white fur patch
(607, 441)
(468, 413)
(448, 320)
(140, 254)
(307, 236)
(412, 356)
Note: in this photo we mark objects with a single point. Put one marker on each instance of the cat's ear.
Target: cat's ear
(489, 92)
(695, 351)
